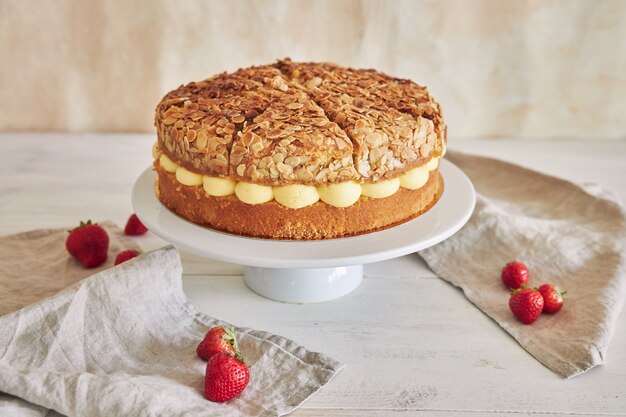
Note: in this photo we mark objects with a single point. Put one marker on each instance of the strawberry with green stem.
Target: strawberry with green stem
(227, 375)
(526, 304)
(88, 243)
(552, 298)
(514, 275)
(219, 339)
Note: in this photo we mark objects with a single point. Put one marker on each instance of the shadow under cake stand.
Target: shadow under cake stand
(310, 271)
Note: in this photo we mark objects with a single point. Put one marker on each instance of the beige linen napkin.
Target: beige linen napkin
(569, 235)
(122, 343)
(34, 264)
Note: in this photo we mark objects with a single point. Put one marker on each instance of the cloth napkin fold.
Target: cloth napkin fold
(122, 343)
(570, 235)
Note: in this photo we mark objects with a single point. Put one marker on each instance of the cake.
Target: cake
(299, 151)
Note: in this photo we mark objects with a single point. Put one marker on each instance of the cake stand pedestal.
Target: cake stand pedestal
(310, 271)
(303, 285)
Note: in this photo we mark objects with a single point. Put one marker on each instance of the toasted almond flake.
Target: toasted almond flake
(321, 176)
(408, 154)
(273, 134)
(246, 138)
(425, 150)
(284, 168)
(278, 157)
(293, 161)
(303, 175)
(201, 141)
(320, 121)
(217, 166)
(374, 139)
(238, 151)
(250, 170)
(256, 147)
(238, 118)
(279, 83)
(313, 83)
(241, 169)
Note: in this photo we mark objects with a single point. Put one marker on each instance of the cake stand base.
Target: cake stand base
(303, 285)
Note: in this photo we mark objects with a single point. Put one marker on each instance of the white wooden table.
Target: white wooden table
(412, 344)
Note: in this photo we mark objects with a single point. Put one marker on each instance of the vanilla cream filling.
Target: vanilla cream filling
(296, 196)
(187, 177)
(253, 193)
(414, 179)
(380, 189)
(156, 152)
(167, 163)
(218, 187)
(343, 194)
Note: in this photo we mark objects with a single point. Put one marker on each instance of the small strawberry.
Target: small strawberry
(526, 304)
(552, 298)
(125, 255)
(226, 377)
(89, 243)
(134, 227)
(514, 275)
(218, 340)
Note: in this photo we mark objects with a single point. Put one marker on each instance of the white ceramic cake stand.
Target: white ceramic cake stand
(310, 271)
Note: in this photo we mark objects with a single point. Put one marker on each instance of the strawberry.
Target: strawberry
(218, 340)
(526, 304)
(134, 227)
(552, 298)
(226, 377)
(89, 243)
(514, 275)
(125, 255)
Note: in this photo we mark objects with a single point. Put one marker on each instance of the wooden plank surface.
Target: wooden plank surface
(412, 344)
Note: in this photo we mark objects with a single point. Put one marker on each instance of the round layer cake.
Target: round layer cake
(299, 151)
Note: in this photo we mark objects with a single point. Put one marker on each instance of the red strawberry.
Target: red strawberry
(226, 377)
(89, 243)
(552, 298)
(514, 275)
(134, 227)
(526, 304)
(218, 340)
(125, 255)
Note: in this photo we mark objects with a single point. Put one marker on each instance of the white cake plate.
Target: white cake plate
(310, 271)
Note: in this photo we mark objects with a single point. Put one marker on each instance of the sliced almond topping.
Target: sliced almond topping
(425, 150)
(241, 169)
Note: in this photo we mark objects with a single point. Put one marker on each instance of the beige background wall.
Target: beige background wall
(522, 68)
